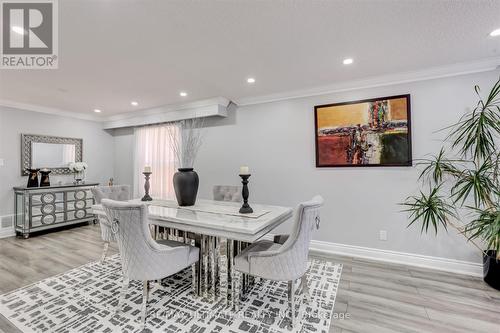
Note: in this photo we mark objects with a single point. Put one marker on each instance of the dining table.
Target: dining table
(219, 230)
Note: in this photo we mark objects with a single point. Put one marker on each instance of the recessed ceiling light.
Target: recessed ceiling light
(183, 94)
(251, 80)
(495, 33)
(347, 61)
(18, 30)
(97, 111)
(134, 103)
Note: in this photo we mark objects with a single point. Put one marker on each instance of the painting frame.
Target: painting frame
(407, 163)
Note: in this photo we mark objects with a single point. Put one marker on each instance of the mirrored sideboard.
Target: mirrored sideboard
(42, 208)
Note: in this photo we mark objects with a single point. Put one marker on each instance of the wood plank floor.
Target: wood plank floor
(373, 296)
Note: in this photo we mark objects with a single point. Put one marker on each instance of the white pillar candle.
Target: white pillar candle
(244, 170)
(147, 168)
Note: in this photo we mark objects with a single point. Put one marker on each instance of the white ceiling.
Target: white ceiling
(114, 51)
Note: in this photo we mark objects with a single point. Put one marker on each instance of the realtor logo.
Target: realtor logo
(29, 34)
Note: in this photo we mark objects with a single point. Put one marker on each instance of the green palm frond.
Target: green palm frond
(486, 226)
(432, 210)
(478, 182)
(475, 133)
(438, 166)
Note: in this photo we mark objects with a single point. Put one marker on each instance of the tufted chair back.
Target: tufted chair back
(139, 253)
(128, 222)
(227, 193)
(116, 192)
(307, 219)
(289, 262)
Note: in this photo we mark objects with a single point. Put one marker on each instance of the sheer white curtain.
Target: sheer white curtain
(152, 148)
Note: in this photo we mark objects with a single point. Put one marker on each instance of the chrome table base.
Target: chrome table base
(213, 275)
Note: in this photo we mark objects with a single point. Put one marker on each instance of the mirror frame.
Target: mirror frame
(26, 156)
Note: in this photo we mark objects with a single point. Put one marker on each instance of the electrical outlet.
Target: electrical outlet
(383, 235)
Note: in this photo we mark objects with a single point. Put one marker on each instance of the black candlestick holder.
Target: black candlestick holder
(146, 196)
(245, 209)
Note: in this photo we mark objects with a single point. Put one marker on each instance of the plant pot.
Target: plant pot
(491, 269)
(186, 183)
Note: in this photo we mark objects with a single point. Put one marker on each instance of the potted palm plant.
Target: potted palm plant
(463, 184)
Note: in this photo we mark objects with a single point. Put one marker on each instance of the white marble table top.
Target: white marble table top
(215, 218)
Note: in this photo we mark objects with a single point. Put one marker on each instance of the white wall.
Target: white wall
(123, 141)
(97, 148)
(276, 140)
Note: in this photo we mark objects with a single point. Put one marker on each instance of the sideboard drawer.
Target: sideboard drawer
(79, 204)
(79, 195)
(48, 219)
(50, 208)
(46, 198)
(79, 214)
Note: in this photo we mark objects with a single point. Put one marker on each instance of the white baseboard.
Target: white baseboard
(410, 259)
(7, 232)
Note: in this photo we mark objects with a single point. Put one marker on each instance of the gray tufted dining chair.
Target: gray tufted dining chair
(282, 262)
(118, 193)
(143, 258)
(227, 193)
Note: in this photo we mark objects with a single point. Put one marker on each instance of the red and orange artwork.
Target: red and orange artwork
(374, 132)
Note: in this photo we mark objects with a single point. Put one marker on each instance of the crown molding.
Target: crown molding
(48, 110)
(457, 69)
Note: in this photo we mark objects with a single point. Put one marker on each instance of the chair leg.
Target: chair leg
(304, 288)
(291, 298)
(145, 294)
(123, 292)
(104, 251)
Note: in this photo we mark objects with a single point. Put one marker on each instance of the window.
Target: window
(152, 148)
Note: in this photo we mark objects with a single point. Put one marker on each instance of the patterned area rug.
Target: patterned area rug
(84, 300)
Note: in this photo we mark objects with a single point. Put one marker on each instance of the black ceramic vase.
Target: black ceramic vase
(491, 269)
(186, 183)
(33, 177)
(45, 180)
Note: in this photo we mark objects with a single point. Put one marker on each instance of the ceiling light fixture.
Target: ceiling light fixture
(495, 33)
(183, 94)
(18, 30)
(347, 61)
(97, 111)
(134, 103)
(251, 80)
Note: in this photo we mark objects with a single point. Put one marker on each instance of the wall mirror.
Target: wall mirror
(51, 152)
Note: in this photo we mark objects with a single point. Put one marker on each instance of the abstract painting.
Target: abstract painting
(372, 132)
